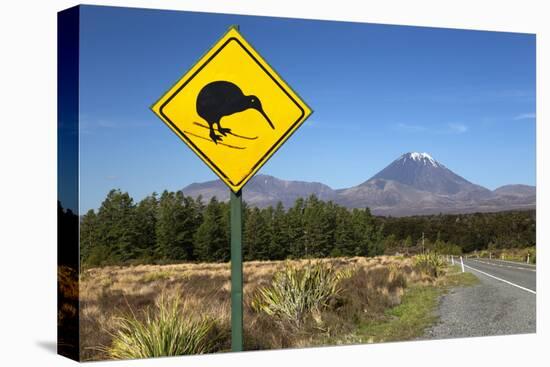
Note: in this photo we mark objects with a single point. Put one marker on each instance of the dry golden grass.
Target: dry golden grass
(105, 293)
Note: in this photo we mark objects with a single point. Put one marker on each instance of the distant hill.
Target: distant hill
(263, 190)
(516, 190)
(414, 183)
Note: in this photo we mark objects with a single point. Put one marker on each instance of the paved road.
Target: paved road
(518, 273)
(503, 303)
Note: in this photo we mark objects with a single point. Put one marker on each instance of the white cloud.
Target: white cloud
(457, 128)
(92, 125)
(526, 116)
(450, 128)
(410, 128)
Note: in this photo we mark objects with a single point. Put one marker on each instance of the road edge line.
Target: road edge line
(506, 261)
(505, 266)
(502, 280)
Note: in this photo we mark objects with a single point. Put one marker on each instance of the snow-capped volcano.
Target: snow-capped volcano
(423, 158)
(422, 172)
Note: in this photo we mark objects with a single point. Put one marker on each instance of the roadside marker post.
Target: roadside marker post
(452, 260)
(462, 264)
(264, 112)
(527, 258)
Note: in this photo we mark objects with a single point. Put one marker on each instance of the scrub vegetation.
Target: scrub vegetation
(157, 310)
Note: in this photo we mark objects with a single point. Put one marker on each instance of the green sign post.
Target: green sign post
(236, 271)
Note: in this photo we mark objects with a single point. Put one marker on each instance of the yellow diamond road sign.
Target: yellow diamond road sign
(232, 109)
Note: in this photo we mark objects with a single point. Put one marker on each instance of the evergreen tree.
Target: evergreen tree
(316, 229)
(117, 227)
(146, 221)
(278, 234)
(177, 222)
(344, 239)
(225, 209)
(295, 229)
(360, 233)
(375, 245)
(256, 239)
(211, 238)
(89, 238)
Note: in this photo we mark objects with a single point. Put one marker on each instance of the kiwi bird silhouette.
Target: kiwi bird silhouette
(222, 98)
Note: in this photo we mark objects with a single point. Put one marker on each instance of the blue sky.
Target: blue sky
(377, 91)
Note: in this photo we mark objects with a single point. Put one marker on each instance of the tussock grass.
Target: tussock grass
(154, 276)
(167, 330)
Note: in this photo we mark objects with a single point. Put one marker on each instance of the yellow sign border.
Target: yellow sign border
(232, 35)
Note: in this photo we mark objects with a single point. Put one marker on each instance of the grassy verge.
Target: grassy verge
(455, 278)
(406, 321)
(416, 313)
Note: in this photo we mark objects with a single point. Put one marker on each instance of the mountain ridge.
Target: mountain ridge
(413, 184)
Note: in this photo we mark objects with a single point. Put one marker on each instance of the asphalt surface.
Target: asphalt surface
(518, 273)
(492, 307)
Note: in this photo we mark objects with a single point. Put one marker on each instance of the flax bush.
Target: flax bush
(168, 329)
(430, 263)
(297, 291)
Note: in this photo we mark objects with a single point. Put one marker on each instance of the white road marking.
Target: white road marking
(502, 280)
(515, 262)
(503, 266)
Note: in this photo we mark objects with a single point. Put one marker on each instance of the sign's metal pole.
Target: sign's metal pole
(236, 269)
(236, 272)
